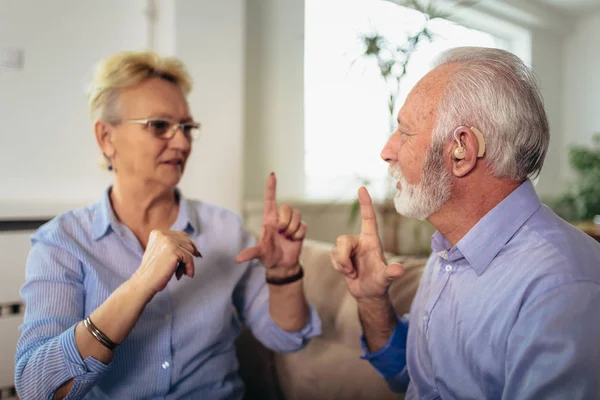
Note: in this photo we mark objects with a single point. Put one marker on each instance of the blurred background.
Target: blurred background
(303, 88)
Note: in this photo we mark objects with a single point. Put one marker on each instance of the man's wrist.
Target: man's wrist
(379, 301)
(377, 308)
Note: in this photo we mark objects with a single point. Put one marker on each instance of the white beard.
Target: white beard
(425, 198)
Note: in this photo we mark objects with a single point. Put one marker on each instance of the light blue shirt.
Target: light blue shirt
(182, 347)
(511, 312)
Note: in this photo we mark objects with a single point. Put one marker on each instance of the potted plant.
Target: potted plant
(580, 204)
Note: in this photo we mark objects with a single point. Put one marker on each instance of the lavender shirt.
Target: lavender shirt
(511, 312)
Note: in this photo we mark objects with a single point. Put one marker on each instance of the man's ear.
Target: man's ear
(104, 137)
(467, 146)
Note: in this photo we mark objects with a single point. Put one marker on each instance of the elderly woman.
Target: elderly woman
(107, 315)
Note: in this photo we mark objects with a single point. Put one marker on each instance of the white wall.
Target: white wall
(548, 65)
(47, 150)
(274, 97)
(210, 41)
(581, 84)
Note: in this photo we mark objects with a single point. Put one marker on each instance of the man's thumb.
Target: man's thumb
(393, 271)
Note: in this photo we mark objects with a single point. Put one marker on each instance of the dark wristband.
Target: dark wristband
(285, 280)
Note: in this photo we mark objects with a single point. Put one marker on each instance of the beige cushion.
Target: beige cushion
(330, 366)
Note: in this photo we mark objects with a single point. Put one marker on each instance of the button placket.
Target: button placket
(162, 304)
(438, 287)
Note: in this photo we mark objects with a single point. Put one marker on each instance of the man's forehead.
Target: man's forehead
(420, 105)
(422, 101)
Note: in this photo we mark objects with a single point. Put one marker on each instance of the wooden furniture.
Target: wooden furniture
(590, 228)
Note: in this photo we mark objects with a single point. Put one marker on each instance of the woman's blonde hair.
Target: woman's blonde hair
(126, 69)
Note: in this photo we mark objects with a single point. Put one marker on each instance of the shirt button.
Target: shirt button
(165, 365)
(425, 318)
(448, 268)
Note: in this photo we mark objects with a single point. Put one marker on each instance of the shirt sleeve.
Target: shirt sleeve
(553, 350)
(390, 360)
(251, 299)
(47, 355)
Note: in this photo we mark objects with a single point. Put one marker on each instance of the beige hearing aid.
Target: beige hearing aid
(460, 151)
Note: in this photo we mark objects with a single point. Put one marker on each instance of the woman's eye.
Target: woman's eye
(159, 127)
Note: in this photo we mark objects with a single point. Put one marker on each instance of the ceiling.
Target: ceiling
(573, 7)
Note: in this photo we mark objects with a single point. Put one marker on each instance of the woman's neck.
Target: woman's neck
(143, 208)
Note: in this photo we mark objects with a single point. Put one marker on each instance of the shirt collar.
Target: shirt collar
(187, 220)
(485, 240)
(105, 219)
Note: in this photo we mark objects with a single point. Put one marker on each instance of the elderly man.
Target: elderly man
(507, 307)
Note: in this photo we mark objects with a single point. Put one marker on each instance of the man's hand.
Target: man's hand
(282, 236)
(360, 258)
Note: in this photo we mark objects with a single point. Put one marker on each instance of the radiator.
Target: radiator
(14, 247)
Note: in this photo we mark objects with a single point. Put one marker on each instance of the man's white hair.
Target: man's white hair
(494, 91)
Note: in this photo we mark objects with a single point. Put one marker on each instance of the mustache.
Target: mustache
(395, 172)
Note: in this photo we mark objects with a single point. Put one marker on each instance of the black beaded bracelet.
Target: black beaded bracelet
(288, 279)
(99, 335)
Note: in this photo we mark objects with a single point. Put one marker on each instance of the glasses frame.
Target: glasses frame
(173, 126)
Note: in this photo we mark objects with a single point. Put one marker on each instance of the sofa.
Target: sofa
(329, 367)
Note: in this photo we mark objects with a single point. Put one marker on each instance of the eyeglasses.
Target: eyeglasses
(165, 128)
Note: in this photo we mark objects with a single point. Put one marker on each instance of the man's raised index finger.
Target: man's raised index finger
(369, 222)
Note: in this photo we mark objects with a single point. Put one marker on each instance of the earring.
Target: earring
(108, 160)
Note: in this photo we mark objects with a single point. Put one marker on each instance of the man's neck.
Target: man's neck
(468, 205)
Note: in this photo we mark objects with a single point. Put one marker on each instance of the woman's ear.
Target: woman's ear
(104, 137)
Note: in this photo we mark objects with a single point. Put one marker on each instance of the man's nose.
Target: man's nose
(388, 154)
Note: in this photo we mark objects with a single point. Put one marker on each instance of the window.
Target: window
(346, 117)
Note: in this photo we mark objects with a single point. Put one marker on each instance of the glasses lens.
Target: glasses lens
(191, 131)
(159, 127)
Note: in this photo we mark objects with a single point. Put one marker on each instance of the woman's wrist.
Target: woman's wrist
(135, 290)
(283, 276)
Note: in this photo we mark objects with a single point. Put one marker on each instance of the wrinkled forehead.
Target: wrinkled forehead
(153, 97)
(421, 105)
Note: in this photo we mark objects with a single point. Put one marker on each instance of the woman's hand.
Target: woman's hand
(282, 236)
(165, 251)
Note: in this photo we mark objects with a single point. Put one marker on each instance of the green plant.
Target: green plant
(581, 201)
